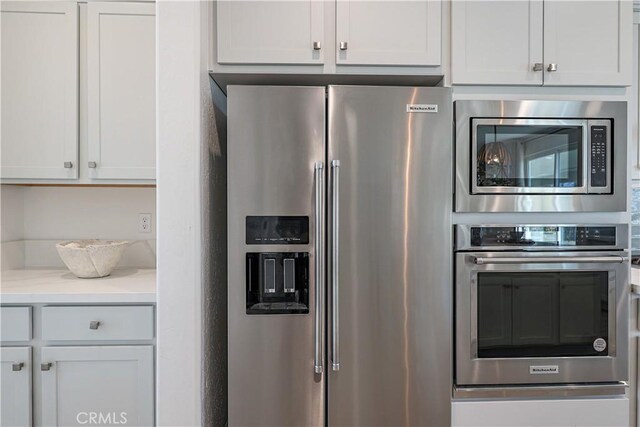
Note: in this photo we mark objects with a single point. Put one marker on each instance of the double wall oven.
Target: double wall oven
(540, 156)
(539, 307)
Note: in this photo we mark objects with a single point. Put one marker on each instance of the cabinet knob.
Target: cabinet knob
(317, 46)
(343, 45)
(46, 366)
(94, 324)
(538, 66)
(93, 165)
(17, 366)
(68, 165)
(552, 67)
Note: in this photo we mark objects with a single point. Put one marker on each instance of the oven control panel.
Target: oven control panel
(598, 156)
(528, 236)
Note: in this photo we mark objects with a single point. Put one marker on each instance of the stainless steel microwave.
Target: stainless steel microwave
(541, 156)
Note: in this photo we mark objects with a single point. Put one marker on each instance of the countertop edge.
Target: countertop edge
(65, 298)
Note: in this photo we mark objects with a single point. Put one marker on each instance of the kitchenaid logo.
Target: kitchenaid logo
(422, 108)
(549, 369)
(101, 418)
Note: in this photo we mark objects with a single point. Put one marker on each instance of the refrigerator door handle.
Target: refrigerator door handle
(335, 252)
(319, 267)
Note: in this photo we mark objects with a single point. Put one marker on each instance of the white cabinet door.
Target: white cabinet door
(15, 386)
(496, 42)
(121, 90)
(388, 32)
(39, 107)
(97, 385)
(589, 42)
(270, 32)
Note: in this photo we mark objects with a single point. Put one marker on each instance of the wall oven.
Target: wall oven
(541, 305)
(537, 156)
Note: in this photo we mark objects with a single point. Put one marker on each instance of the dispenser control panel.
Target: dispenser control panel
(277, 230)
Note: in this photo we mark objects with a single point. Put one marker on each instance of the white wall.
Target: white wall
(11, 213)
(34, 218)
(87, 212)
(183, 111)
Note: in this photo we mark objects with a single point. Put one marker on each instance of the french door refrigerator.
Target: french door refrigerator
(340, 255)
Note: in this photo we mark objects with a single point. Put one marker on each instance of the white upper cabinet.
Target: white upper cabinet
(487, 48)
(270, 32)
(589, 42)
(15, 386)
(388, 32)
(39, 119)
(121, 90)
(542, 42)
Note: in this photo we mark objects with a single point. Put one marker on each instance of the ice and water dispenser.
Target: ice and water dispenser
(277, 282)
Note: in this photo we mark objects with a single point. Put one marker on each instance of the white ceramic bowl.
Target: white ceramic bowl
(91, 258)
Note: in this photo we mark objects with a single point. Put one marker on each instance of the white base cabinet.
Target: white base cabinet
(83, 365)
(15, 386)
(596, 412)
(97, 385)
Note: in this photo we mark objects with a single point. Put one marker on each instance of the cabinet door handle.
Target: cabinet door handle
(343, 45)
(46, 366)
(552, 67)
(317, 46)
(93, 165)
(94, 324)
(17, 366)
(68, 165)
(538, 66)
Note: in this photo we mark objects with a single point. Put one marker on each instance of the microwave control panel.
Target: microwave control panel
(598, 156)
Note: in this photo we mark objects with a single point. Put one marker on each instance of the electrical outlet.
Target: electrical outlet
(144, 223)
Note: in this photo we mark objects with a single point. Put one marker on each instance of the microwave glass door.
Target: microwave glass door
(542, 314)
(529, 156)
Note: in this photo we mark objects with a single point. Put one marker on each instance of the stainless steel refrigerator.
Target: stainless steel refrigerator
(340, 255)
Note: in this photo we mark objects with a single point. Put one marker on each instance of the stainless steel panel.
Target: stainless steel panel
(463, 239)
(275, 136)
(568, 390)
(471, 370)
(466, 201)
(395, 256)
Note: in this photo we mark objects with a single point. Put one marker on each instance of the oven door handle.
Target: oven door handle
(550, 260)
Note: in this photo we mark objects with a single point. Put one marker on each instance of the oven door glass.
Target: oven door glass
(530, 156)
(542, 314)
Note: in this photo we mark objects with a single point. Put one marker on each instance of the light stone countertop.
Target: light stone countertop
(59, 285)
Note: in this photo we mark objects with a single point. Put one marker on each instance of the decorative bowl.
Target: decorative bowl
(91, 258)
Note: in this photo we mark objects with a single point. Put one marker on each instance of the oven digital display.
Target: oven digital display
(558, 236)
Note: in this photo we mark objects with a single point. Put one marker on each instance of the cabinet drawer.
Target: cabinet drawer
(97, 323)
(15, 324)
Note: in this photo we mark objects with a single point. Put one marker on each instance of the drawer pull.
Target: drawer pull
(94, 324)
(17, 366)
(46, 366)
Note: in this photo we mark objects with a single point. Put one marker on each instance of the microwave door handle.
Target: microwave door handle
(550, 260)
(318, 362)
